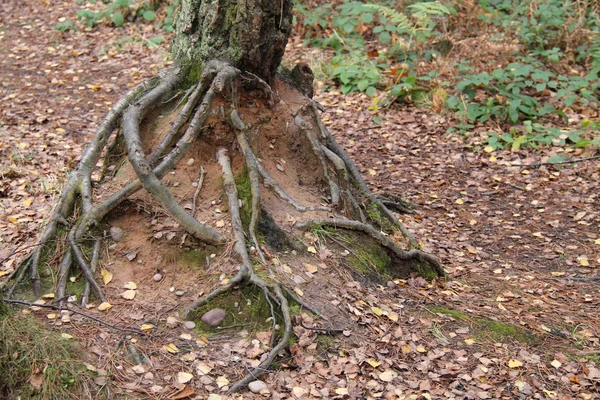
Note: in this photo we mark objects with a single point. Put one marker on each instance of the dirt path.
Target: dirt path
(521, 242)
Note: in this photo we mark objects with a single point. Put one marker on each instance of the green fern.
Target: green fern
(401, 20)
(422, 11)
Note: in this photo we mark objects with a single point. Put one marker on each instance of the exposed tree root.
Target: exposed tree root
(348, 192)
(413, 254)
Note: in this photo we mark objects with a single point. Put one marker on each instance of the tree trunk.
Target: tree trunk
(273, 186)
(250, 35)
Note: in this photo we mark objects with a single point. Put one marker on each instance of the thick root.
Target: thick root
(347, 190)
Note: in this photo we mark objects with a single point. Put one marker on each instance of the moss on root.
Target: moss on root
(245, 308)
(486, 330)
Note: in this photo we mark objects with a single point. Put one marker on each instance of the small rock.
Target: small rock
(171, 289)
(116, 233)
(257, 386)
(213, 317)
(189, 324)
(190, 162)
(157, 277)
(179, 293)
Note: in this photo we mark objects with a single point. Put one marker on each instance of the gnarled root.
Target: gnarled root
(350, 197)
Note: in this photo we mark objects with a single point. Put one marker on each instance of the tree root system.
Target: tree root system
(350, 201)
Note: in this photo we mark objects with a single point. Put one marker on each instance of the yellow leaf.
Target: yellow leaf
(421, 349)
(184, 377)
(459, 201)
(222, 381)
(128, 294)
(311, 268)
(106, 276)
(220, 223)
(469, 341)
(311, 249)
(341, 391)
(556, 273)
(66, 336)
(500, 306)
(105, 306)
(393, 316)
(146, 327)
(28, 202)
(377, 311)
(373, 363)
(73, 279)
(597, 241)
(514, 364)
(493, 158)
(299, 292)
(372, 172)
(48, 296)
(130, 285)
(584, 261)
(488, 149)
(537, 234)
(171, 348)
(405, 348)
(556, 363)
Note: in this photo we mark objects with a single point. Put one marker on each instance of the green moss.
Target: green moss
(244, 189)
(193, 73)
(193, 258)
(375, 216)
(487, 330)
(425, 271)
(245, 308)
(28, 348)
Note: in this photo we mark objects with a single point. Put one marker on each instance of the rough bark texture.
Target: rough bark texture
(250, 35)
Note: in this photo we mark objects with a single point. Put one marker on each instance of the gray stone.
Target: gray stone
(213, 317)
(189, 324)
(157, 277)
(116, 233)
(257, 386)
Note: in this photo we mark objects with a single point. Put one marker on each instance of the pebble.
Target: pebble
(157, 277)
(190, 162)
(213, 317)
(116, 233)
(257, 386)
(189, 324)
(179, 293)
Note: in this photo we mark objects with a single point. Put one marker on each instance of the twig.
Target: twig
(197, 192)
(563, 162)
(329, 331)
(29, 304)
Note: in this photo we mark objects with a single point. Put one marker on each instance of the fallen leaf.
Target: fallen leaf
(184, 377)
(556, 363)
(222, 381)
(220, 223)
(106, 276)
(514, 364)
(105, 306)
(128, 294)
(311, 268)
(130, 285)
(373, 363)
(377, 311)
(341, 391)
(584, 261)
(311, 249)
(388, 375)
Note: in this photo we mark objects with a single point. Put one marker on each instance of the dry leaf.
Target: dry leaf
(128, 294)
(388, 375)
(130, 285)
(171, 348)
(311, 268)
(184, 377)
(105, 306)
(311, 249)
(377, 311)
(220, 223)
(515, 364)
(106, 276)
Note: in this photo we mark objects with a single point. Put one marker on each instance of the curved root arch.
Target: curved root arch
(347, 190)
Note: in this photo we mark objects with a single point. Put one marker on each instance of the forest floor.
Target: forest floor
(520, 240)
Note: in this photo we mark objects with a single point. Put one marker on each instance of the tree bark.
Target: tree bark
(251, 35)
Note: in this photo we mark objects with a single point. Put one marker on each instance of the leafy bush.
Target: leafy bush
(350, 26)
(118, 12)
